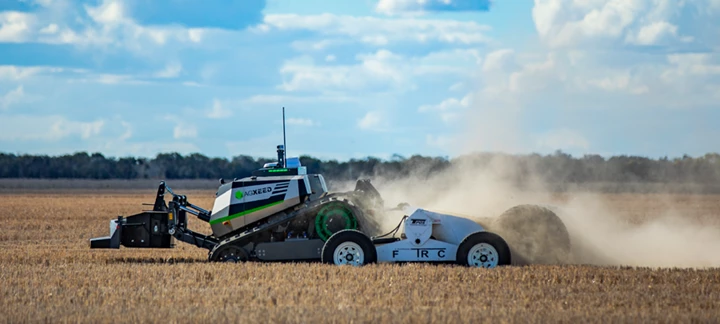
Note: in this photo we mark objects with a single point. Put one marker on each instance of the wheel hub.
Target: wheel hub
(349, 253)
(483, 255)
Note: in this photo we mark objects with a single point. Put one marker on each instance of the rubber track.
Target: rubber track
(250, 233)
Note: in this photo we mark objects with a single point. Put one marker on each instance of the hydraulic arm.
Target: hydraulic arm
(157, 227)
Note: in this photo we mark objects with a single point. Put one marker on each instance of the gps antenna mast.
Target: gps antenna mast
(284, 142)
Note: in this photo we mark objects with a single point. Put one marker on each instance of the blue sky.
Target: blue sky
(360, 77)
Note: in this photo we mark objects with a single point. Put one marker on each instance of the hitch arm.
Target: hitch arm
(183, 204)
(177, 224)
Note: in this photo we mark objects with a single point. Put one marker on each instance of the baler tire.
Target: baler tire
(488, 242)
(350, 240)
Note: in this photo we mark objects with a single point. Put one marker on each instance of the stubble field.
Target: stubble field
(49, 274)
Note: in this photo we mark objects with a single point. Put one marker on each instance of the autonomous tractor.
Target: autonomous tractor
(282, 213)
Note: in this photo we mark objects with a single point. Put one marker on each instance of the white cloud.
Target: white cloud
(377, 40)
(109, 12)
(11, 97)
(44, 3)
(375, 71)
(50, 29)
(193, 84)
(184, 130)
(499, 60)
(301, 122)
(75, 76)
(84, 129)
(109, 136)
(46, 128)
(654, 33)
(147, 149)
(392, 7)
(451, 61)
(572, 23)
(196, 34)
(619, 82)
(693, 64)
(374, 120)
(330, 58)
(316, 45)
(459, 86)
(593, 63)
(556, 72)
(172, 70)
(587, 79)
(11, 72)
(218, 111)
(111, 79)
(257, 146)
(380, 31)
(379, 71)
(16, 74)
(286, 99)
(536, 76)
(450, 110)
(564, 22)
(108, 28)
(687, 80)
(127, 134)
(15, 26)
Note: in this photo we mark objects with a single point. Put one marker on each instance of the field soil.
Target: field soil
(49, 274)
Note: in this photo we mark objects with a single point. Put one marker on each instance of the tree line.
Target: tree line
(557, 167)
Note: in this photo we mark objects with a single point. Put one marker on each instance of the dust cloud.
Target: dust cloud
(673, 235)
(661, 233)
(648, 230)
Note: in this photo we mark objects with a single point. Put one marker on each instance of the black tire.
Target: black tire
(536, 235)
(229, 253)
(361, 241)
(503, 250)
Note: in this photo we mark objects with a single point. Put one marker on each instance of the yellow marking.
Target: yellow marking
(170, 216)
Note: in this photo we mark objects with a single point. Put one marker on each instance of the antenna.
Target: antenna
(284, 142)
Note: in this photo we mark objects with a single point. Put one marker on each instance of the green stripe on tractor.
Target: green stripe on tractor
(240, 214)
(277, 170)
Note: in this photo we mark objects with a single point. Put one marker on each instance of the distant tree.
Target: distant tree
(558, 167)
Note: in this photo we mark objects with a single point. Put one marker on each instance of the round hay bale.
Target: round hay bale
(536, 235)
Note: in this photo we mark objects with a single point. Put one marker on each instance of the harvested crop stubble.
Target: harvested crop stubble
(48, 273)
(316, 293)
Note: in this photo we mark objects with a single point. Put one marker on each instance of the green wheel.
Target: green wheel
(332, 218)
